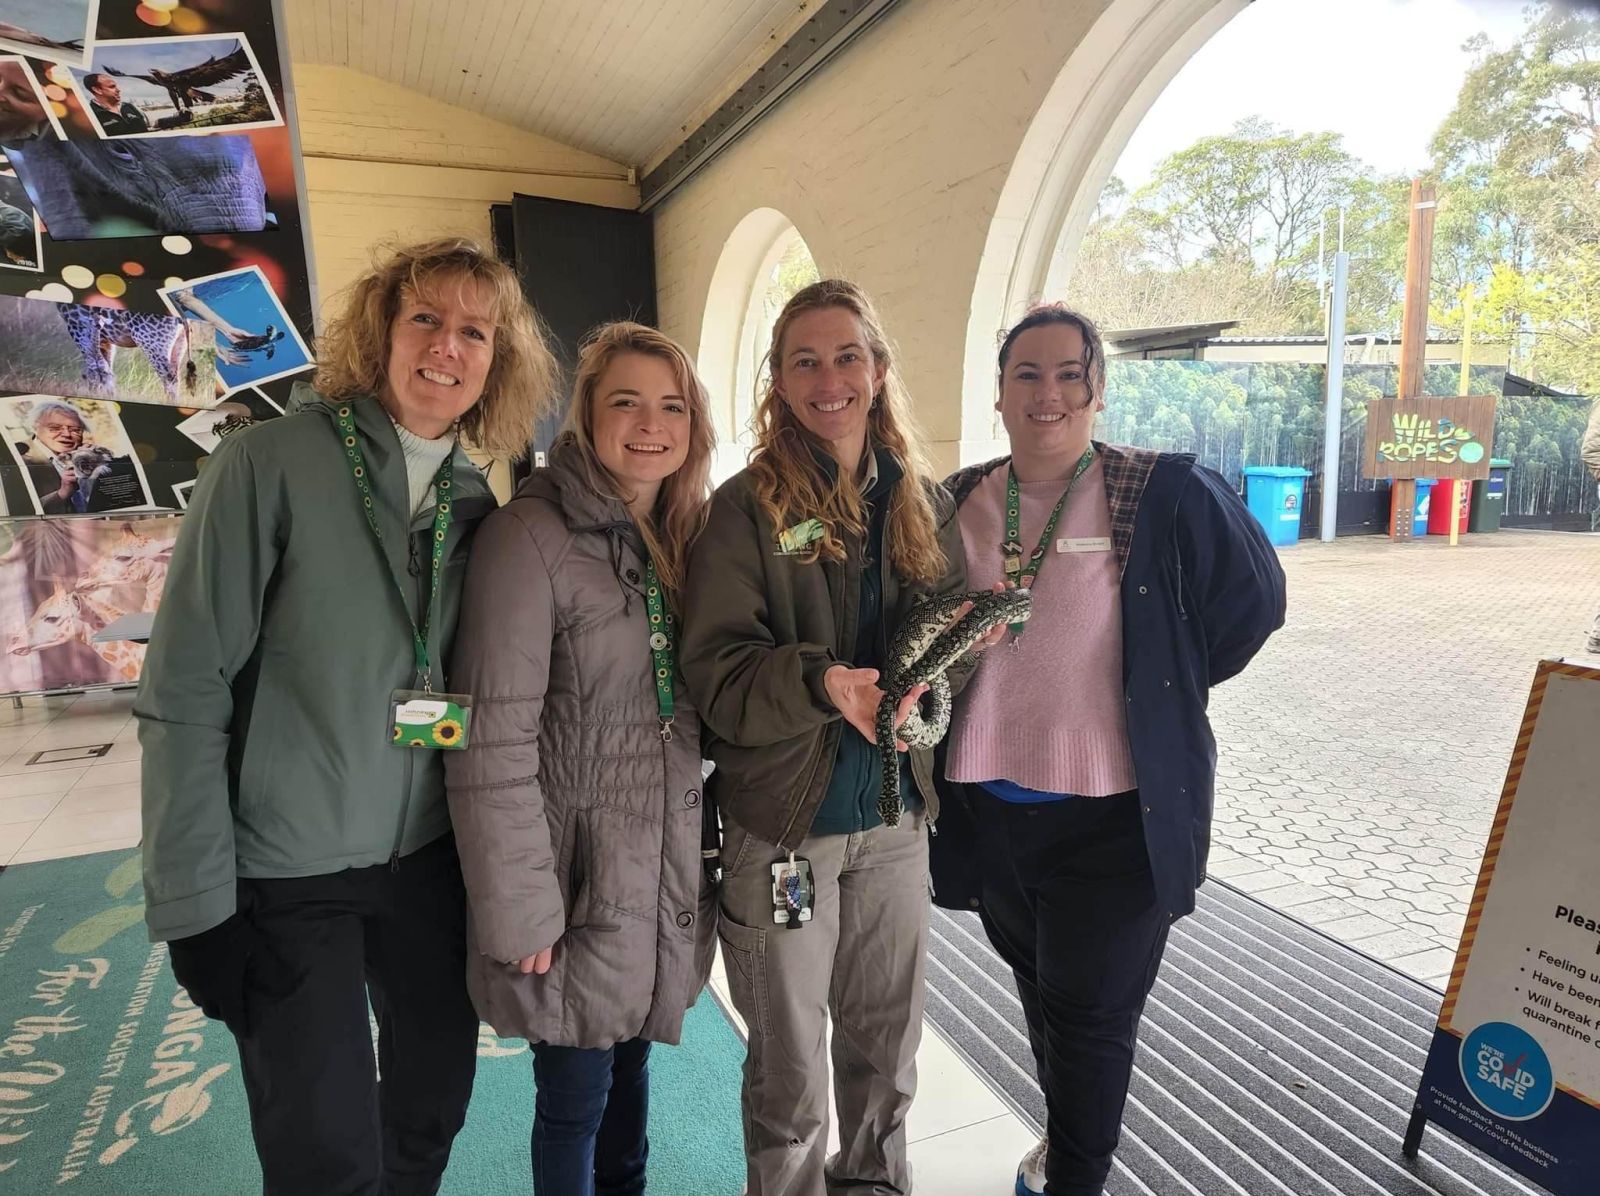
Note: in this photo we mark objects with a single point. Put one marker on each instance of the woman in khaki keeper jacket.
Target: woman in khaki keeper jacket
(811, 558)
(577, 803)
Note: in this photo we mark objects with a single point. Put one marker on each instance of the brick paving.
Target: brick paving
(1361, 756)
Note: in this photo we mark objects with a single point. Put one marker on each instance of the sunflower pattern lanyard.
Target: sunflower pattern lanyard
(663, 643)
(421, 718)
(1018, 575)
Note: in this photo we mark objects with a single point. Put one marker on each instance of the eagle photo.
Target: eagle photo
(176, 85)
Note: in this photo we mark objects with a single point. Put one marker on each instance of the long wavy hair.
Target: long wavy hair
(521, 388)
(789, 483)
(682, 504)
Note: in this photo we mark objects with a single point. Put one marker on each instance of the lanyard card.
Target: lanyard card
(430, 720)
(793, 891)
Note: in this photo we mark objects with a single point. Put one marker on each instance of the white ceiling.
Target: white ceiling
(617, 78)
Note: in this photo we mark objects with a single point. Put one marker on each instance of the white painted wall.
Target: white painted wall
(385, 163)
(893, 160)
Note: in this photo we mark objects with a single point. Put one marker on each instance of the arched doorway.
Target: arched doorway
(763, 262)
(1099, 97)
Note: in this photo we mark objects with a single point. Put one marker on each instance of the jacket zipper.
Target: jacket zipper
(413, 567)
(820, 752)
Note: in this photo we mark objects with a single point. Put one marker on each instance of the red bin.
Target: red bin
(1449, 495)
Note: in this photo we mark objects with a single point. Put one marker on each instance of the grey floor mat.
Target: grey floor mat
(1272, 1060)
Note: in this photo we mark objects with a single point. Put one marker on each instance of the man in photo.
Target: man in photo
(76, 477)
(21, 112)
(116, 115)
(120, 117)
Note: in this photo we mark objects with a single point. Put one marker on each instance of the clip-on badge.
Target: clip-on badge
(792, 892)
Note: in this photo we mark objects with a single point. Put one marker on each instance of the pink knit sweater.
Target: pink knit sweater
(1048, 713)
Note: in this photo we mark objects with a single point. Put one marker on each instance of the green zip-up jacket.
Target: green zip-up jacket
(265, 704)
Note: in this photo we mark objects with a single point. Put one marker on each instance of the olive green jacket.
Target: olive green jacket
(264, 708)
(760, 628)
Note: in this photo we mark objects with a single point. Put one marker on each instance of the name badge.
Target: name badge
(431, 720)
(1084, 544)
(793, 540)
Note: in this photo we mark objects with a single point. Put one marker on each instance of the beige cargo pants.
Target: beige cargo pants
(860, 959)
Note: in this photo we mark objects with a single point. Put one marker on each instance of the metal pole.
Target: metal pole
(1333, 414)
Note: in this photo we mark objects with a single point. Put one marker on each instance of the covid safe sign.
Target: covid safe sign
(1514, 1067)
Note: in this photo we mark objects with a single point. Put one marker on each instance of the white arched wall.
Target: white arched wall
(1123, 63)
(915, 163)
(732, 321)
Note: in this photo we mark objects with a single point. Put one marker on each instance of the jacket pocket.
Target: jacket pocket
(735, 846)
(260, 739)
(609, 878)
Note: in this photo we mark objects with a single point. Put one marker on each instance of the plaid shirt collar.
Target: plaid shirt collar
(1127, 470)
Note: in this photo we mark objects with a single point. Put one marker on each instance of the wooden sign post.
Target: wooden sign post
(1413, 436)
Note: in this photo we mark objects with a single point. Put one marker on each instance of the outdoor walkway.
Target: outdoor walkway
(1361, 755)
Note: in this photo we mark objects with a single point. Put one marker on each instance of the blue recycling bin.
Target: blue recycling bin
(1419, 510)
(1275, 495)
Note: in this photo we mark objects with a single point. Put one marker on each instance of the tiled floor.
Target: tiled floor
(1356, 778)
(50, 809)
(965, 1141)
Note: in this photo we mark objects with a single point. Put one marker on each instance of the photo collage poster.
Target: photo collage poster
(154, 297)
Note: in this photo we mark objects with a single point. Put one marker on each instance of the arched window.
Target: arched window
(763, 263)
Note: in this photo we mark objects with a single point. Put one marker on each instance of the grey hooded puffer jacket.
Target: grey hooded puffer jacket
(577, 824)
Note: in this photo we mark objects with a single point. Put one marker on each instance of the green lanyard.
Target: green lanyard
(663, 640)
(1019, 576)
(441, 524)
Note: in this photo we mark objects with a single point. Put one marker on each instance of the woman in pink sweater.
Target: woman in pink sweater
(1079, 768)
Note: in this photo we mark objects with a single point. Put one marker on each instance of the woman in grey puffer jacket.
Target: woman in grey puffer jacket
(577, 805)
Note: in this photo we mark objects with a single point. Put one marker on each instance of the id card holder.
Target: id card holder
(420, 719)
(792, 892)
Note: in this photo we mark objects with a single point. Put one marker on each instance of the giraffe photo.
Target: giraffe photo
(104, 350)
(64, 581)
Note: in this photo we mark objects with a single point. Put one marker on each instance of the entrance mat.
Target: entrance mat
(111, 1081)
(1273, 1060)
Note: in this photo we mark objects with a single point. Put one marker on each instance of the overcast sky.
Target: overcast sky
(1384, 73)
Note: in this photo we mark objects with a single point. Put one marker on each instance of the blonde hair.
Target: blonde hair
(353, 351)
(791, 486)
(682, 504)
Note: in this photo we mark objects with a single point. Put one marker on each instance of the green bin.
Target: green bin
(1489, 499)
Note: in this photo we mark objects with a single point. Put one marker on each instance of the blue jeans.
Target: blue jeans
(590, 1116)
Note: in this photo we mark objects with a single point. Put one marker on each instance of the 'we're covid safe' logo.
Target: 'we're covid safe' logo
(1506, 1071)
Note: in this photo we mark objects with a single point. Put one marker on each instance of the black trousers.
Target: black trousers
(1070, 905)
(324, 1124)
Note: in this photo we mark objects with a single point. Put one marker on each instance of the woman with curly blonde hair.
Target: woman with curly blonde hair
(579, 817)
(298, 859)
(810, 560)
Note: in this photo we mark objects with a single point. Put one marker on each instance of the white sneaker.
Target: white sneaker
(1030, 1172)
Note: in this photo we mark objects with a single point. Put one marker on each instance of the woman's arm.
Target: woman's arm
(1230, 570)
(502, 658)
(205, 631)
(749, 689)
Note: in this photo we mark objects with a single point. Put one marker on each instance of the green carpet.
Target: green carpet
(111, 1082)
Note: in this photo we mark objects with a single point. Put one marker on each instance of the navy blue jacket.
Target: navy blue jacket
(1201, 592)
